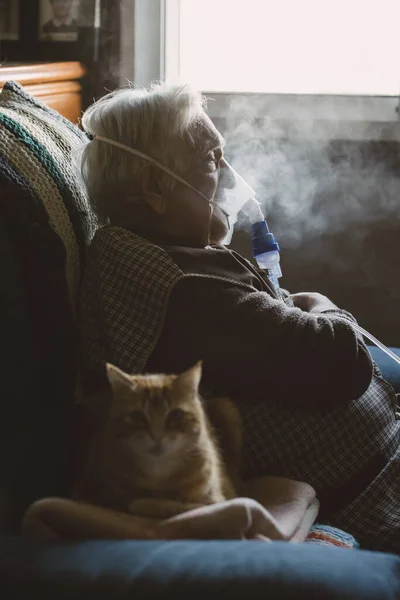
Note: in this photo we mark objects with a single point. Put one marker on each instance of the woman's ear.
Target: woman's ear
(150, 188)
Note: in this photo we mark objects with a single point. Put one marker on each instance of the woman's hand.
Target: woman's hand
(312, 302)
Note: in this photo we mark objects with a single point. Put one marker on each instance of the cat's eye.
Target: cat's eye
(175, 417)
(137, 418)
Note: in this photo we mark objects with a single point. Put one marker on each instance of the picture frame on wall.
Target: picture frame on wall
(89, 32)
(9, 20)
(58, 20)
(35, 42)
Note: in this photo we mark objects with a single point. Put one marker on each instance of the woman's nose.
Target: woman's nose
(227, 178)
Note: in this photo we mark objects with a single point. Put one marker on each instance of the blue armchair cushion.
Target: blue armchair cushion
(105, 570)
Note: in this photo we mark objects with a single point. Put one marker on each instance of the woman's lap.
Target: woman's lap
(331, 448)
(374, 516)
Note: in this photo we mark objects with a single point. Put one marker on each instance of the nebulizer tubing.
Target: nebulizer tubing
(375, 341)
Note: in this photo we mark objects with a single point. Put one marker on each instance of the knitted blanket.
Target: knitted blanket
(37, 147)
(331, 536)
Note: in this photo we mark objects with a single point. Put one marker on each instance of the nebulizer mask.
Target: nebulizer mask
(235, 197)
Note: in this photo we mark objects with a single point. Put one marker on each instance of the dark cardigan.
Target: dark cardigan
(253, 346)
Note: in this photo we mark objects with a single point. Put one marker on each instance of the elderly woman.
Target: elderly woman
(160, 292)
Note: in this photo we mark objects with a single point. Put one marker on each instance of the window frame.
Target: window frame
(156, 35)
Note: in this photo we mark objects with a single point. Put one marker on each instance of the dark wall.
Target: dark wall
(99, 51)
(334, 207)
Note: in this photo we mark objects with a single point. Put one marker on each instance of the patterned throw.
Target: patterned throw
(331, 536)
(37, 146)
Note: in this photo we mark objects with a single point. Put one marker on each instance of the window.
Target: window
(341, 47)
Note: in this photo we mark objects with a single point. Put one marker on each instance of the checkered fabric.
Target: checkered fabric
(374, 516)
(125, 297)
(329, 446)
(127, 286)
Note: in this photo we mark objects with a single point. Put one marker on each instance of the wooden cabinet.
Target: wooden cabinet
(56, 84)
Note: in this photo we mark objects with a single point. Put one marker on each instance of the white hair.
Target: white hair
(161, 121)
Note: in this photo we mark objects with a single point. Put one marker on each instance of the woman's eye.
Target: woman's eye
(175, 417)
(213, 160)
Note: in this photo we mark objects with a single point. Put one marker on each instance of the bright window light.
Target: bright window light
(290, 46)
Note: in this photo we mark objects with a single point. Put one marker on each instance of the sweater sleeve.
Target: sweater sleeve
(254, 346)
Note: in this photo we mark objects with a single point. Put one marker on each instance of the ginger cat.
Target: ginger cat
(156, 455)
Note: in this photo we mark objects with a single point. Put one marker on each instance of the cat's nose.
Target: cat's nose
(157, 449)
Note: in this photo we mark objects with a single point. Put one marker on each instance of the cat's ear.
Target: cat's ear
(118, 379)
(188, 381)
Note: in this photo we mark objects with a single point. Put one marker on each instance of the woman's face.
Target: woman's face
(194, 220)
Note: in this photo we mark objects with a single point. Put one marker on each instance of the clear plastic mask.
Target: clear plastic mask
(234, 198)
